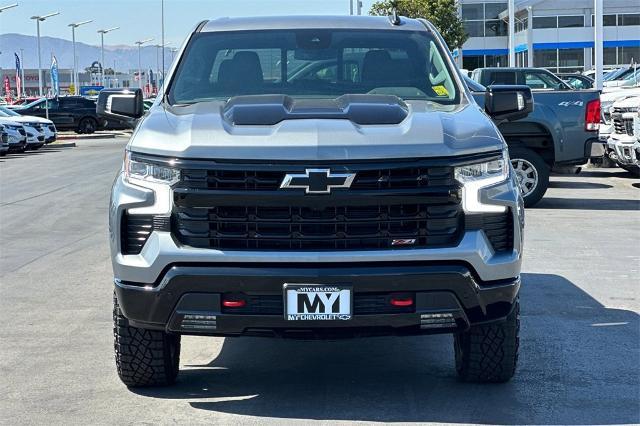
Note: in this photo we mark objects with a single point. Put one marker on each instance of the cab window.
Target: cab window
(540, 80)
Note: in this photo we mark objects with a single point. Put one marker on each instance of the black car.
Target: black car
(577, 81)
(67, 113)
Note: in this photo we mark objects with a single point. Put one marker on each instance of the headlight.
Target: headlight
(135, 170)
(474, 177)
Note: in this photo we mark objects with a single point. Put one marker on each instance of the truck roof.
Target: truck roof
(513, 69)
(311, 22)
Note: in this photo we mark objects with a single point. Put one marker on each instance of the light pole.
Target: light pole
(140, 43)
(9, 6)
(75, 63)
(598, 41)
(162, 37)
(158, 47)
(39, 19)
(512, 33)
(3, 8)
(102, 33)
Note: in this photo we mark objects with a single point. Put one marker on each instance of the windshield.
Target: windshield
(30, 104)
(621, 74)
(632, 80)
(313, 63)
(6, 112)
(613, 74)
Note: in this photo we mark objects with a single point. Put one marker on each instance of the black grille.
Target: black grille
(318, 228)
(22, 131)
(241, 207)
(363, 304)
(623, 125)
(498, 227)
(269, 180)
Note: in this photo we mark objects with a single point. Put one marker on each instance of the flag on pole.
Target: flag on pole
(7, 88)
(18, 73)
(55, 86)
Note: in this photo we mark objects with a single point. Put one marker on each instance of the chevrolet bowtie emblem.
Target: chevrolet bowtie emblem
(317, 181)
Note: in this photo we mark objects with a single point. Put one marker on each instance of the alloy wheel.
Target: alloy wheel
(526, 174)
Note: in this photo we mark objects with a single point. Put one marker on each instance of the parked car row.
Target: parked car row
(19, 133)
(75, 113)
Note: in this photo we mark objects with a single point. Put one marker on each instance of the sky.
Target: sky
(140, 19)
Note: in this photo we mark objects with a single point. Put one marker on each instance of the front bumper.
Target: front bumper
(622, 150)
(187, 300)
(169, 285)
(19, 145)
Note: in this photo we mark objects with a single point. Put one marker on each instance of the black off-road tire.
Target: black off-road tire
(144, 357)
(541, 168)
(489, 353)
(87, 126)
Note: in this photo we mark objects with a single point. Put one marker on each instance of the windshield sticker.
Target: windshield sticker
(441, 91)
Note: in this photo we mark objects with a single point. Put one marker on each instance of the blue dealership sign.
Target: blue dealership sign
(90, 90)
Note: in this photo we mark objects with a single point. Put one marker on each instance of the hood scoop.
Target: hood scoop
(268, 110)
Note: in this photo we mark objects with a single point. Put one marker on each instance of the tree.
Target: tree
(442, 13)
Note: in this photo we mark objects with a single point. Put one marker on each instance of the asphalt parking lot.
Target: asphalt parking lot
(580, 342)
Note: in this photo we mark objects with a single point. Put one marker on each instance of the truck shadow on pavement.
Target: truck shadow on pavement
(578, 185)
(579, 364)
(588, 204)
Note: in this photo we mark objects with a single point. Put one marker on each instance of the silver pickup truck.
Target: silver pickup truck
(280, 187)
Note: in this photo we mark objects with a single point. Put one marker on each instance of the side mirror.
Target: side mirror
(120, 104)
(508, 103)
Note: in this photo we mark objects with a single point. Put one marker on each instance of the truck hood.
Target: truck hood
(611, 97)
(620, 90)
(630, 102)
(429, 130)
(9, 122)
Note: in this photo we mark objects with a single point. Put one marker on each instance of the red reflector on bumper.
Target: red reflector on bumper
(408, 301)
(234, 303)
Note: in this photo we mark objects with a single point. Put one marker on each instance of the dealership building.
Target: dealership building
(553, 34)
(65, 77)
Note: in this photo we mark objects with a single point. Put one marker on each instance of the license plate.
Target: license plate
(309, 302)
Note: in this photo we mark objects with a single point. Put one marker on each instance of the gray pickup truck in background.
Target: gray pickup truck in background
(560, 132)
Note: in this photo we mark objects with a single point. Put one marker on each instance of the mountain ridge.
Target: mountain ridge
(125, 57)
